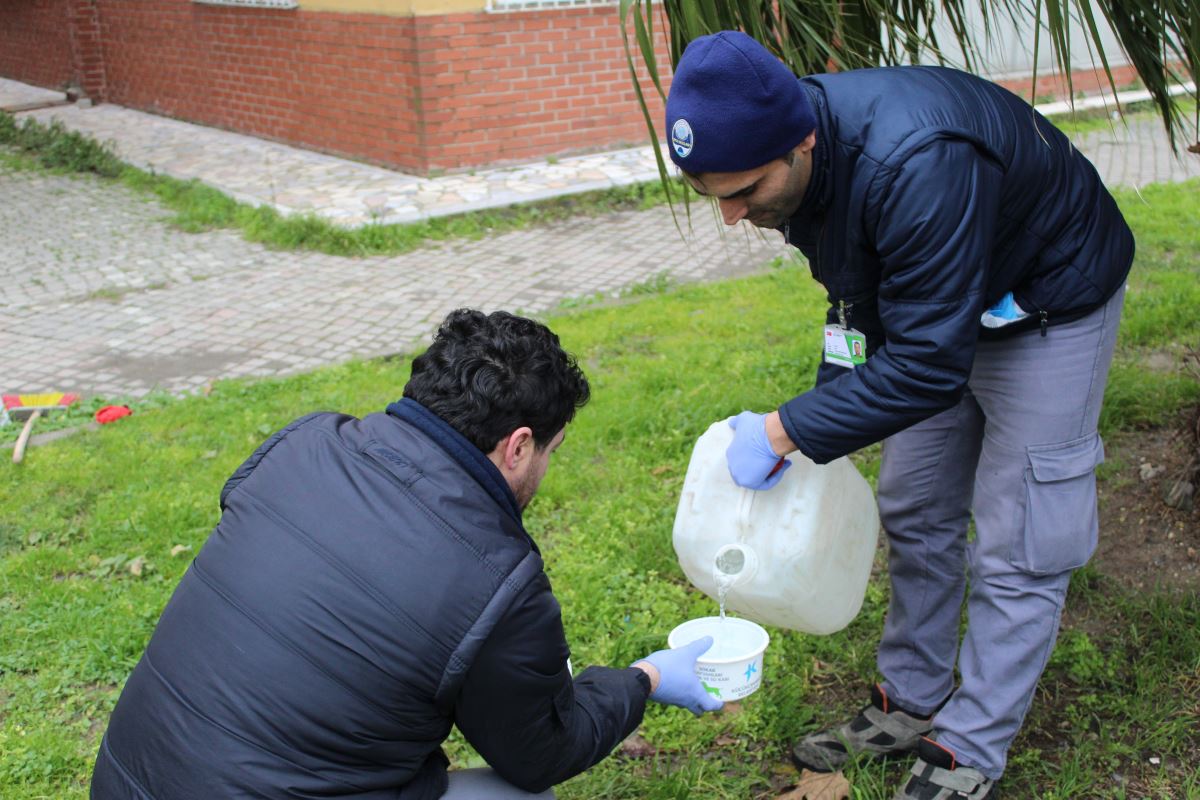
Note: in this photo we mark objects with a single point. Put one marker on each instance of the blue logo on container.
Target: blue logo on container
(750, 670)
(681, 138)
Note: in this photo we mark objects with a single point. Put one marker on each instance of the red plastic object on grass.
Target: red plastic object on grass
(112, 414)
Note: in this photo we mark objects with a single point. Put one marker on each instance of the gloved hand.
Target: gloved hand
(750, 456)
(677, 681)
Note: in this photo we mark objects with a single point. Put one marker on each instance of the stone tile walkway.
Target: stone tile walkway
(98, 295)
(16, 96)
(1137, 155)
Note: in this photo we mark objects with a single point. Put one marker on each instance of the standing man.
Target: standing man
(975, 267)
(369, 585)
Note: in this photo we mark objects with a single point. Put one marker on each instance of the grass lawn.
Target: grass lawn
(96, 530)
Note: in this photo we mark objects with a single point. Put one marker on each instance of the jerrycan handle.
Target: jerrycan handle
(745, 506)
(746, 503)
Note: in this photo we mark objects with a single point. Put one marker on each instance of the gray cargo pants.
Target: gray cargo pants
(485, 784)
(1019, 451)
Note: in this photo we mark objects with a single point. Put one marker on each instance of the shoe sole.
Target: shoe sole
(890, 755)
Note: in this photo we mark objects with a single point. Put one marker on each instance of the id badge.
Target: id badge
(845, 347)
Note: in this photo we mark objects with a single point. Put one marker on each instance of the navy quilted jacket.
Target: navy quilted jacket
(934, 193)
(369, 585)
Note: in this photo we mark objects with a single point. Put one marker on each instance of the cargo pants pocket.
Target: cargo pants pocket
(1061, 525)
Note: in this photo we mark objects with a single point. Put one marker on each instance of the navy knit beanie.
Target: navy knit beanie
(733, 106)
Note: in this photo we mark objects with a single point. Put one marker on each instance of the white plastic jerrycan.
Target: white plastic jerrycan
(796, 556)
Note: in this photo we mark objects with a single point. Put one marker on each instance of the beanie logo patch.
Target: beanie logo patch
(681, 138)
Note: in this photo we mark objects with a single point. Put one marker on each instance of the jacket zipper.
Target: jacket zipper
(843, 313)
(843, 309)
(820, 242)
(1043, 317)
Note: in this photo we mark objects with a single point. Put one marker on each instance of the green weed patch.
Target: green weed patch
(56, 148)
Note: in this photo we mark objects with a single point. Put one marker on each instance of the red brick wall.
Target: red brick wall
(418, 93)
(1054, 87)
(342, 83)
(499, 88)
(35, 45)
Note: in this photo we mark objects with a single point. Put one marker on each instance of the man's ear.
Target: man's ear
(808, 144)
(518, 447)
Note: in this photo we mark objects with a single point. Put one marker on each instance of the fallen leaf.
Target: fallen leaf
(724, 740)
(819, 786)
(180, 548)
(637, 747)
(784, 777)
(661, 470)
(136, 566)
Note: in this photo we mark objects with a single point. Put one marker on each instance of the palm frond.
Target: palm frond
(1160, 38)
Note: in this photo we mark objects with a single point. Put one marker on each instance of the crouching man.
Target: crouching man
(370, 585)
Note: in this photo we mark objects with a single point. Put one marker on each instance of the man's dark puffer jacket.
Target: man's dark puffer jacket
(369, 585)
(934, 193)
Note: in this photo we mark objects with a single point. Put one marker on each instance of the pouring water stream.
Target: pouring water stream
(726, 568)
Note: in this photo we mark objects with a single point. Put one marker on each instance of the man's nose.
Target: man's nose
(732, 211)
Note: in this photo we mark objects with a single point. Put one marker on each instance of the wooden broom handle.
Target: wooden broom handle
(23, 439)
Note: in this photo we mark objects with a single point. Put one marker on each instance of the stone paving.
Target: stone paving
(99, 295)
(16, 96)
(1137, 155)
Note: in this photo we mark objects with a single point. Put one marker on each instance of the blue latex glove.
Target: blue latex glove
(677, 681)
(750, 457)
(1005, 312)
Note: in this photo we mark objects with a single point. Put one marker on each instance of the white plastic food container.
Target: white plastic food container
(732, 667)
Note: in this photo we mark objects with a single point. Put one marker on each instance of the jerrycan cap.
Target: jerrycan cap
(735, 563)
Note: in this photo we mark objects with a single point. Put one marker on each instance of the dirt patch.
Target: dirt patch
(1146, 544)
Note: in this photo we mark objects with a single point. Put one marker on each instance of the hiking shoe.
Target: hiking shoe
(881, 729)
(937, 775)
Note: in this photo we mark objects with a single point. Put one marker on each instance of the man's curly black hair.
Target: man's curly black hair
(488, 374)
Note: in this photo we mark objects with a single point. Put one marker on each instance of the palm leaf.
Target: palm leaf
(1161, 38)
(643, 25)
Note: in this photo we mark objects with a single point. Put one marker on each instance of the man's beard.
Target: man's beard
(769, 219)
(525, 490)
